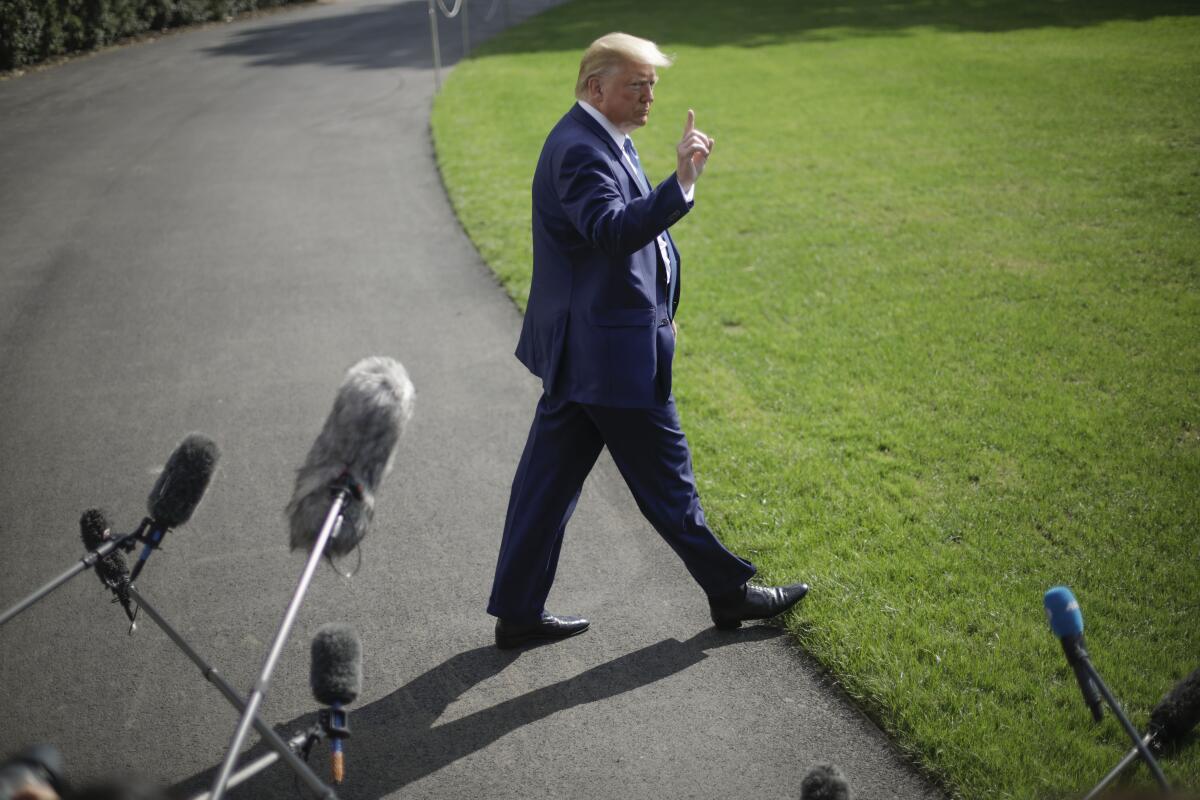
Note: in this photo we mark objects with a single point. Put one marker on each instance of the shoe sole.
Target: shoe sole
(532, 638)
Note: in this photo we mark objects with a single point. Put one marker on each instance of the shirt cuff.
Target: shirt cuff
(689, 194)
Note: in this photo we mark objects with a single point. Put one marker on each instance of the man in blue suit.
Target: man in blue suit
(599, 331)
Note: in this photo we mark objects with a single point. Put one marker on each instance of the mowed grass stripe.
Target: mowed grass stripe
(940, 336)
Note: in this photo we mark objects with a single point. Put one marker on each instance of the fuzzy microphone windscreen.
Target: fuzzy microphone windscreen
(824, 782)
(358, 442)
(336, 675)
(112, 569)
(183, 481)
(93, 528)
(1177, 713)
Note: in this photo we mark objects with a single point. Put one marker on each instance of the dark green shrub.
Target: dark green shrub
(219, 9)
(34, 30)
(21, 32)
(186, 12)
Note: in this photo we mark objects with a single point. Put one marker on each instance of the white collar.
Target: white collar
(613, 130)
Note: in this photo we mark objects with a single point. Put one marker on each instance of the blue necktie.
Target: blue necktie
(631, 151)
(666, 250)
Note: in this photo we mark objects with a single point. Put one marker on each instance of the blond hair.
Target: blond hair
(612, 51)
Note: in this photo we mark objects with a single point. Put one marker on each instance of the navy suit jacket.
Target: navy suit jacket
(592, 324)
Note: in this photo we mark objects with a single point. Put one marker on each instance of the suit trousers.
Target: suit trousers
(651, 452)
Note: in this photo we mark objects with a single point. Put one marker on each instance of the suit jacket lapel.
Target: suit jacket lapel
(585, 119)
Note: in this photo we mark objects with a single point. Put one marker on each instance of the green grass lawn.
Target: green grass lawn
(939, 337)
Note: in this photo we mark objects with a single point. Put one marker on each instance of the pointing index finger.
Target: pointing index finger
(691, 122)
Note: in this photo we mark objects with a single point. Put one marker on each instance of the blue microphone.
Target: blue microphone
(1063, 611)
(1066, 620)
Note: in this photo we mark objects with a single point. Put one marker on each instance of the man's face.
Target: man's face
(626, 95)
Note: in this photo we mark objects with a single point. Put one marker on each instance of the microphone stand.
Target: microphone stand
(282, 749)
(1129, 758)
(342, 492)
(301, 741)
(1138, 742)
(87, 562)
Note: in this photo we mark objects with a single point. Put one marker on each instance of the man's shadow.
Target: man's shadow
(396, 741)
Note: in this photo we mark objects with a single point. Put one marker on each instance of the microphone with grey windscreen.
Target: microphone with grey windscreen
(179, 488)
(334, 497)
(336, 680)
(354, 452)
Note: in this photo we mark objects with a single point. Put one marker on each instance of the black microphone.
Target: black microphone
(178, 491)
(353, 452)
(336, 680)
(1066, 621)
(112, 570)
(825, 782)
(1177, 714)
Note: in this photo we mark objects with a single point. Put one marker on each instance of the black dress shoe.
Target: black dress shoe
(548, 628)
(754, 602)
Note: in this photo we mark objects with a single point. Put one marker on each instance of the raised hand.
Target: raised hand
(692, 153)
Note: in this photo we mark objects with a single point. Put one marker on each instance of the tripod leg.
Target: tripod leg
(281, 748)
(333, 521)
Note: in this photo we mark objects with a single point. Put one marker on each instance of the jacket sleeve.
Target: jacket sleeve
(592, 200)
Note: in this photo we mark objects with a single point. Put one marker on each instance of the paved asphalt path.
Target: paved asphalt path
(201, 234)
